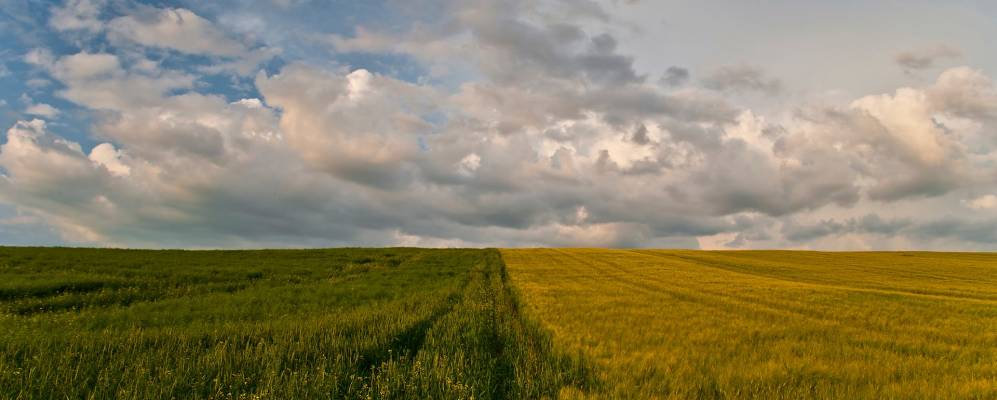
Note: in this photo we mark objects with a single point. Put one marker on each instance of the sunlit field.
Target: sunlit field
(350, 323)
(769, 324)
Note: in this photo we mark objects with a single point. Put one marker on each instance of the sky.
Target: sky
(845, 125)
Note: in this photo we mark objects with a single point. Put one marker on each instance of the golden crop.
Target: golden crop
(769, 324)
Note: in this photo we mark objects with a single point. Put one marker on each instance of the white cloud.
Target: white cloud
(39, 56)
(107, 156)
(965, 92)
(37, 83)
(985, 202)
(469, 164)
(98, 81)
(85, 65)
(42, 110)
(250, 103)
(177, 29)
(77, 15)
(905, 121)
(360, 127)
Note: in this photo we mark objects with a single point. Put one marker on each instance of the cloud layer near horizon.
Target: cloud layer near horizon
(528, 125)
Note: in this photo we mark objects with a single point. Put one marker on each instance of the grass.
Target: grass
(345, 323)
(769, 324)
(479, 324)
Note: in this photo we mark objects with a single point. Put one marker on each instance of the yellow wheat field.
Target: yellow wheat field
(770, 324)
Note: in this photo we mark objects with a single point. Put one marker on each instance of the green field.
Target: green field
(489, 324)
(770, 324)
(350, 323)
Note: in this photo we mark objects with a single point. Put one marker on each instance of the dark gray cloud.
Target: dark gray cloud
(675, 76)
(932, 230)
(513, 49)
(979, 231)
(742, 78)
(640, 135)
(915, 60)
(868, 224)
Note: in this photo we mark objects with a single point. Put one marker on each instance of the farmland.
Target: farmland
(345, 323)
(769, 324)
(495, 324)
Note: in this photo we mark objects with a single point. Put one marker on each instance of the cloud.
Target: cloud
(469, 164)
(37, 83)
(77, 15)
(365, 41)
(741, 78)
(38, 109)
(182, 30)
(100, 82)
(908, 144)
(924, 58)
(39, 56)
(944, 232)
(42, 110)
(108, 157)
(980, 231)
(18, 228)
(964, 92)
(640, 135)
(176, 29)
(49, 175)
(84, 66)
(868, 224)
(510, 46)
(675, 76)
(532, 125)
(360, 127)
(985, 202)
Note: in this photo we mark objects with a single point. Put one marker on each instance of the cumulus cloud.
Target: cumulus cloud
(360, 127)
(534, 127)
(964, 92)
(49, 175)
(107, 156)
(99, 81)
